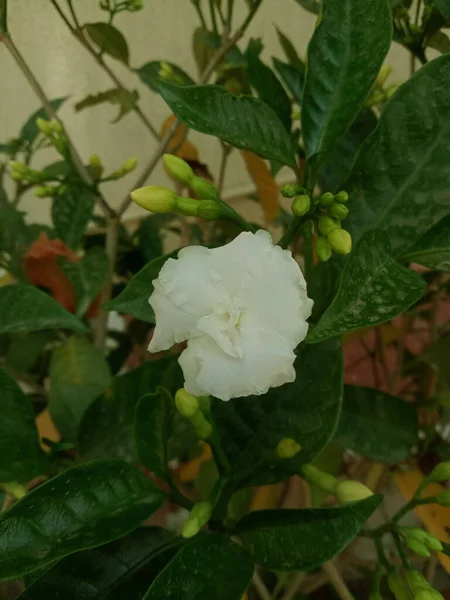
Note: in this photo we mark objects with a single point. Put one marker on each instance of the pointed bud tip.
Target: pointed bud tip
(351, 491)
(187, 404)
(178, 169)
(190, 528)
(155, 198)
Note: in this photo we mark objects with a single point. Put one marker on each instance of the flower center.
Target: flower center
(223, 327)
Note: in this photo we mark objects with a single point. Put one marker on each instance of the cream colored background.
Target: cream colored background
(163, 30)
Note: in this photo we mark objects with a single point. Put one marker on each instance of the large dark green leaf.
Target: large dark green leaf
(107, 425)
(79, 373)
(444, 7)
(302, 540)
(211, 567)
(30, 130)
(71, 213)
(377, 425)
(242, 121)
(306, 411)
(25, 308)
(134, 298)
(433, 249)
(153, 422)
(344, 57)
(400, 182)
(293, 77)
(374, 289)
(109, 40)
(150, 74)
(21, 457)
(122, 569)
(86, 506)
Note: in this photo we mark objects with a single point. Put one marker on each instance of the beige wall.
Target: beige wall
(161, 31)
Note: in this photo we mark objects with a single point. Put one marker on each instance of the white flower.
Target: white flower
(243, 309)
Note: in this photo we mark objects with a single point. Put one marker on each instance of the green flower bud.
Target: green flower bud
(129, 165)
(326, 199)
(187, 404)
(290, 190)
(46, 191)
(191, 528)
(390, 91)
(56, 126)
(203, 428)
(178, 169)
(443, 498)
(15, 489)
(340, 240)
(441, 472)
(414, 532)
(427, 593)
(351, 491)
(44, 126)
(384, 73)
(210, 210)
(324, 481)
(326, 225)
(202, 512)
(202, 189)
(398, 587)
(155, 199)
(415, 579)
(341, 197)
(96, 166)
(432, 543)
(323, 249)
(418, 547)
(287, 448)
(339, 211)
(301, 205)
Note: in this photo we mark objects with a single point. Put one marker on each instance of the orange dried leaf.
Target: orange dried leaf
(187, 151)
(266, 186)
(265, 497)
(190, 470)
(46, 428)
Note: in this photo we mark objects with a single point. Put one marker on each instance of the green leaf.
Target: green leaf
(306, 411)
(109, 40)
(21, 457)
(25, 308)
(436, 355)
(125, 99)
(444, 7)
(134, 298)
(302, 540)
(377, 425)
(87, 276)
(344, 58)
(440, 41)
(71, 213)
(149, 234)
(211, 567)
(79, 373)
(107, 426)
(84, 507)
(290, 51)
(121, 569)
(312, 6)
(407, 193)
(293, 78)
(374, 289)
(268, 87)
(30, 130)
(152, 427)
(241, 121)
(25, 349)
(433, 249)
(150, 74)
(204, 45)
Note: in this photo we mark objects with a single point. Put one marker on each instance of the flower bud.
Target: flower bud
(441, 472)
(443, 498)
(190, 528)
(384, 73)
(290, 190)
(327, 225)
(324, 481)
(339, 211)
(56, 126)
(203, 428)
(155, 199)
(202, 511)
(301, 205)
(187, 206)
(187, 404)
(323, 249)
(44, 126)
(415, 579)
(202, 189)
(178, 169)
(96, 166)
(46, 191)
(326, 199)
(398, 587)
(340, 240)
(418, 547)
(129, 165)
(414, 532)
(432, 543)
(351, 491)
(390, 91)
(341, 197)
(288, 448)
(427, 593)
(15, 489)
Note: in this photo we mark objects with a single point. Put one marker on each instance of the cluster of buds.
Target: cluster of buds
(346, 491)
(420, 541)
(21, 172)
(55, 134)
(381, 94)
(190, 407)
(199, 516)
(412, 586)
(113, 6)
(127, 167)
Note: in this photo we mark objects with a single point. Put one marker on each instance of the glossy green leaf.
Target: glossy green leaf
(268, 87)
(21, 457)
(87, 276)
(377, 425)
(109, 40)
(25, 308)
(150, 74)
(374, 289)
(71, 213)
(25, 349)
(84, 507)
(211, 567)
(433, 249)
(302, 540)
(124, 99)
(122, 569)
(344, 58)
(108, 424)
(400, 180)
(204, 45)
(30, 130)
(312, 6)
(79, 373)
(293, 78)
(241, 121)
(306, 411)
(134, 298)
(290, 51)
(153, 422)
(149, 234)
(444, 7)
(440, 41)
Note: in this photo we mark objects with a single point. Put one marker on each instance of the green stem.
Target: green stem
(292, 230)
(73, 13)
(381, 554)
(230, 13)
(200, 14)
(213, 16)
(178, 498)
(400, 549)
(3, 16)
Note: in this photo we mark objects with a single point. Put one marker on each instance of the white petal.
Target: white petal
(267, 362)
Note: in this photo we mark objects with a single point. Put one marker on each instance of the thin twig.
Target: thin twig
(112, 233)
(260, 587)
(293, 587)
(430, 571)
(337, 581)
(226, 151)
